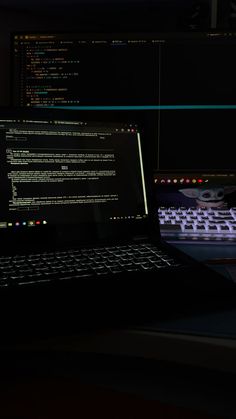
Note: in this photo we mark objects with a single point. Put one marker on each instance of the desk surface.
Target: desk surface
(67, 385)
(174, 363)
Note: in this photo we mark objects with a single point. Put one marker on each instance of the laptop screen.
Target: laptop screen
(196, 205)
(84, 172)
(196, 189)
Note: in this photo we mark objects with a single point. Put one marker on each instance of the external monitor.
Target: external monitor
(186, 80)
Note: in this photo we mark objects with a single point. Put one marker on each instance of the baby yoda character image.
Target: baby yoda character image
(208, 197)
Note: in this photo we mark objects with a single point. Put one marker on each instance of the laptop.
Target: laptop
(79, 233)
(197, 206)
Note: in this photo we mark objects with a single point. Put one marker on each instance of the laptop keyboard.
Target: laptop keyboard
(83, 263)
(198, 223)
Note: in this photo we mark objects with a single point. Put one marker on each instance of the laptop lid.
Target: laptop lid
(74, 177)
